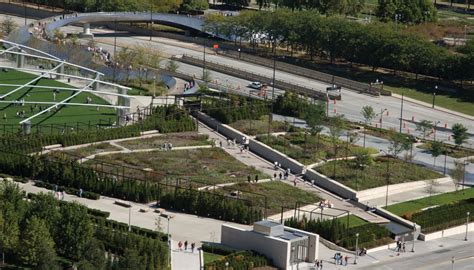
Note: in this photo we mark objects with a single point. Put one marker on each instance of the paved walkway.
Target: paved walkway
(266, 167)
(182, 259)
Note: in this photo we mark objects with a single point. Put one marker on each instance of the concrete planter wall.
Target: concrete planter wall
(378, 192)
(448, 232)
(331, 185)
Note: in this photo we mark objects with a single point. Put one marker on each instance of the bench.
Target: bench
(123, 204)
(53, 146)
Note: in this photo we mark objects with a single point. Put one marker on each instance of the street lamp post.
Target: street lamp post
(270, 116)
(357, 248)
(387, 176)
(414, 233)
(169, 242)
(401, 115)
(129, 216)
(240, 51)
(151, 18)
(467, 225)
(434, 130)
(381, 116)
(434, 96)
(24, 6)
(452, 262)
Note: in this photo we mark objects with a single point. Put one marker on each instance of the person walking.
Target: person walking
(274, 176)
(256, 178)
(186, 245)
(280, 175)
(403, 247)
(345, 260)
(248, 179)
(180, 244)
(321, 265)
(193, 245)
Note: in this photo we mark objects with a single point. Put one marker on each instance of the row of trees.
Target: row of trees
(406, 11)
(47, 234)
(232, 108)
(125, 5)
(375, 45)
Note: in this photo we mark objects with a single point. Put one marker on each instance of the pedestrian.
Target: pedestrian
(248, 179)
(316, 263)
(276, 166)
(220, 144)
(186, 245)
(321, 265)
(274, 176)
(397, 248)
(256, 178)
(80, 192)
(193, 245)
(345, 260)
(294, 182)
(280, 175)
(180, 244)
(62, 195)
(403, 247)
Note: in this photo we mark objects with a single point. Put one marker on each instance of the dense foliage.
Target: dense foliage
(241, 260)
(48, 234)
(443, 216)
(375, 44)
(406, 11)
(165, 119)
(370, 235)
(232, 108)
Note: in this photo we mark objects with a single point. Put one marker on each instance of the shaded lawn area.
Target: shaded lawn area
(441, 199)
(67, 115)
(177, 139)
(293, 144)
(452, 150)
(255, 127)
(354, 221)
(91, 150)
(207, 166)
(278, 194)
(210, 257)
(375, 175)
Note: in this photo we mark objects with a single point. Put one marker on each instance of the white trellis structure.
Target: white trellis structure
(92, 80)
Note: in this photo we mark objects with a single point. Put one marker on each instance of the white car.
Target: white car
(255, 85)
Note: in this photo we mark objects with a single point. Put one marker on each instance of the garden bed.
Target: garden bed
(375, 175)
(260, 126)
(91, 150)
(451, 150)
(176, 139)
(294, 145)
(205, 166)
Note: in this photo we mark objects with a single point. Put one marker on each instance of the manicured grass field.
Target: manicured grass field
(441, 199)
(177, 139)
(354, 221)
(278, 194)
(67, 115)
(375, 174)
(207, 166)
(294, 145)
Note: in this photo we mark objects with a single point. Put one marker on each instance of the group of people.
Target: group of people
(180, 246)
(167, 146)
(339, 259)
(401, 247)
(102, 54)
(189, 85)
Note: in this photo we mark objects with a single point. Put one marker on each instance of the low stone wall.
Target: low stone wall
(331, 185)
(379, 192)
(448, 232)
(390, 216)
(272, 155)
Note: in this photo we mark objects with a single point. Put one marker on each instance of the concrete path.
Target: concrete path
(266, 167)
(182, 259)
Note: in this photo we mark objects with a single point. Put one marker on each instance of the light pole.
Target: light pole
(115, 48)
(381, 116)
(401, 115)
(452, 262)
(467, 225)
(239, 52)
(129, 216)
(434, 96)
(226, 265)
(387, 176)
(434, 130)
(357, 248)
(169, 242)
(151, 18)
(154, 86)
(414, 233)
(270, 116)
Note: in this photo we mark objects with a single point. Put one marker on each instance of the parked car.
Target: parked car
(255, 85)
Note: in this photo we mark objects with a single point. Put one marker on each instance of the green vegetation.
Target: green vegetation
(354, 221)
(370, 235)
(44, 233)
(311, 150)
(215, 257)
(452, 151)
(410, 207)
(202, 166)
(260, 126)
(349, 174)
(92, 150)
(64, 115)
(177, 139)
(278, 194)
(211, 257)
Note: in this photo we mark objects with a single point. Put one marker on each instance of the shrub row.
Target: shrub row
(233, 108)
(241, 260)
(334, 230)
(444, 216)
(217, 249)
(68, 190)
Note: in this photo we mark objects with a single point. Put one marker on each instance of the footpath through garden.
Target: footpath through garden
(264, 166)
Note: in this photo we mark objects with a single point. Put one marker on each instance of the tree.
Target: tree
(460, 135)
(7, 26)
(190, 5)
(368, 113)
(336, 126)
(94, 258)
(206, 76)
(406, 11)
(436, 149)
(431, 188)
(424, 126)
(131, 260)
(363, 159)
(37, 245)
(314, 117)
(73, 230)
(398, 143)
(172, 65)
(457, 173)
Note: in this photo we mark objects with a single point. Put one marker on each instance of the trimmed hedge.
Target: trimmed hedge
(241, 260)
(68, 190)
(217, 250)
(370, 235)
(444, 216)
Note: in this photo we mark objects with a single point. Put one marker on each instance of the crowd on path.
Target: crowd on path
(185, 244)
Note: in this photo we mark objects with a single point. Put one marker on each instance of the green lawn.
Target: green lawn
(67, 115)
(206, 166)
(354, 221)
(177, 139)
(210, 257)
(294, 145)
(441, 199)
(278, 194)
(375, 174)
